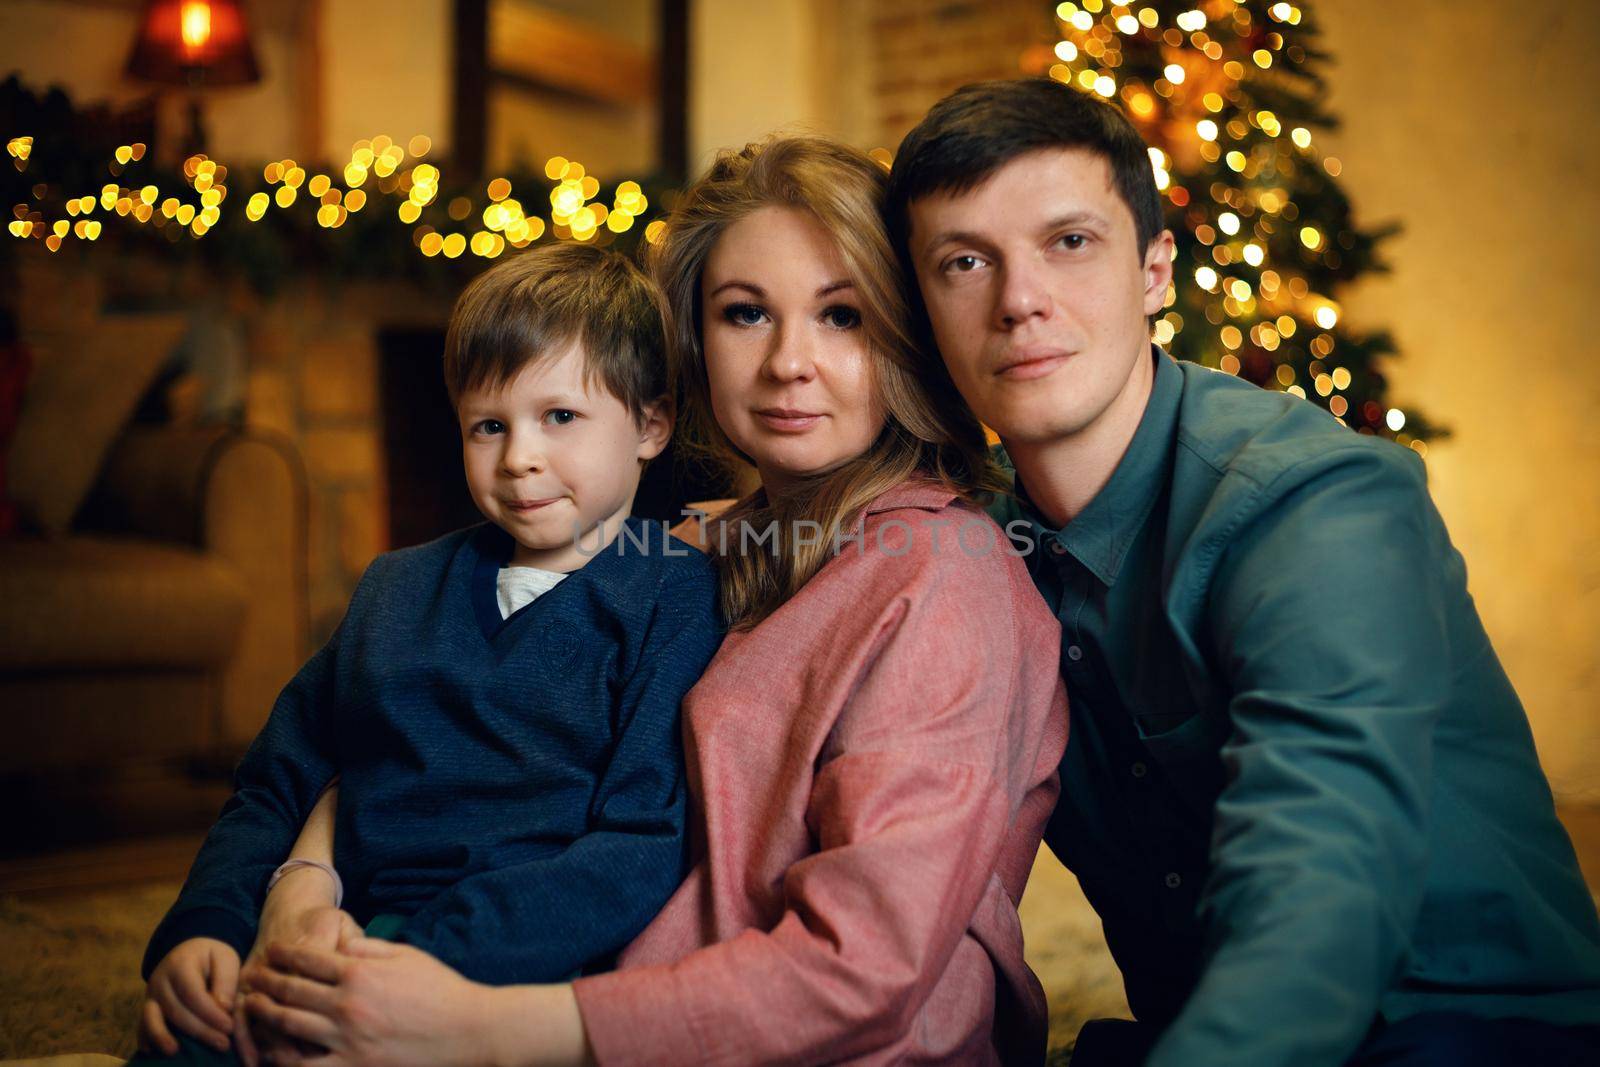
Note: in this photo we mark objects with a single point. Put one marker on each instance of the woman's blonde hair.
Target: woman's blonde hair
(929, 430)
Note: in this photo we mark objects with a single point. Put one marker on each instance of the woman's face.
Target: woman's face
(786, 354)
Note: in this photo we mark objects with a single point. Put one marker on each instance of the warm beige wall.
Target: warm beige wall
(386, 69)
(752, 68)
(1471, 123)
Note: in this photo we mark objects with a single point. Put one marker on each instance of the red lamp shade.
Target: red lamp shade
(194, 42)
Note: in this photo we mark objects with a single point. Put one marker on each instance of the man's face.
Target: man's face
(1038, 294)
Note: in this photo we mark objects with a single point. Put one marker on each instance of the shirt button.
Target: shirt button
(1074, 653)
(1173, 880)
(1139, 770)
(1058, 548)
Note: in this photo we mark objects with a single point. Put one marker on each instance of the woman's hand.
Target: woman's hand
(298, 911)
(390, 1005)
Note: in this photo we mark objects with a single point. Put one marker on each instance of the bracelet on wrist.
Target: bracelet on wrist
(298, 864)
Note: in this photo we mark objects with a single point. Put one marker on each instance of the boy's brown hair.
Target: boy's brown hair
(536, 303)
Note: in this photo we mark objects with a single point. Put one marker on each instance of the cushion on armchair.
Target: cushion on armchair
(85, 384)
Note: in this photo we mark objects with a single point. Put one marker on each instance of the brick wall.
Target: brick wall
(918, 51)
(314, 378)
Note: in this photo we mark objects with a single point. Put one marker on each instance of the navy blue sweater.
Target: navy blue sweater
(513, 787)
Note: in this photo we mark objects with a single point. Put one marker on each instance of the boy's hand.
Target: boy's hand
(192, 989)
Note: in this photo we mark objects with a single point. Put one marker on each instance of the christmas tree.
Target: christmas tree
(1229, 93)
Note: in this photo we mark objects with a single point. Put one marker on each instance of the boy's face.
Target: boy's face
(1038, 294)
(549, 458)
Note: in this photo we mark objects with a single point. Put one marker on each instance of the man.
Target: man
(1299, 789)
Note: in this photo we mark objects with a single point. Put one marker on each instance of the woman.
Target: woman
(873, 750)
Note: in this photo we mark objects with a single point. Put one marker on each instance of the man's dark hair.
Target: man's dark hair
(976, 130)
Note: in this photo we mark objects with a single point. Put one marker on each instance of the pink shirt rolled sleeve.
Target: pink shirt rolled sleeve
(874, 765)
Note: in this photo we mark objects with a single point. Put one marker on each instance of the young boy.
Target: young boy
(501, 705)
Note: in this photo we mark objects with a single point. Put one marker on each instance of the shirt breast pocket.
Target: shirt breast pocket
(1159, 724)
(1188, 747)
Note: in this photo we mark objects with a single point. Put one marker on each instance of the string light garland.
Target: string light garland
(83, 179)
(1228, 93)
(395, 173)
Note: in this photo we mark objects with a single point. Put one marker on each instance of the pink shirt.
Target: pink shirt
(875, 764)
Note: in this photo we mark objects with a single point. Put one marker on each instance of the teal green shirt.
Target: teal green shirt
(1299, 789)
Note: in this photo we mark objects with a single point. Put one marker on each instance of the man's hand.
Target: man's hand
(298, 911)
(192, 990)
